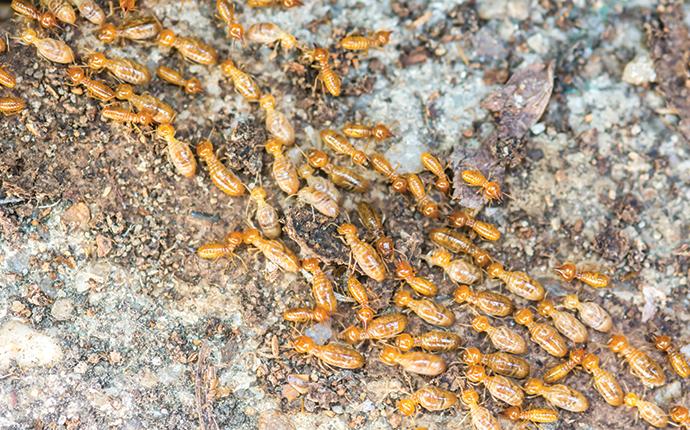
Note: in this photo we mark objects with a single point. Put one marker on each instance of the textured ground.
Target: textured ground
(107, 319)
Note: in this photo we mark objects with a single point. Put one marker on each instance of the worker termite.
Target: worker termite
(430, 398)
(61, 9)
(568, 272)
(371, 220)
(459, 243)
(365, 313)
(137, 29)
(339, 144)
(427, 206)
(364, 254)
(432, 164)
(120, 114)
(306, 172)
(336, 355)
(277, 124)
(542, 334)
(287, 4)
(28, 10)
(500, 362)
(327, 76)
(429, 311)
(384, 168)
(423, 286)
(122, 68)
(225, 249)
(566, 323)
(162, 112)
(378, 39)
(648, 411)
(321, 286)
(283, 171)
(319, 201)
(500, 387)
(242, 81)
(490, 189)
(267, 33)
(591, 313)
(562, 369)
(675, 357)
(221, 176)
(383, 327)
(680, 415)
(226, 12)
(7, 78)
(341, 176)
(488, 302)
(178, 151)
(641, 365)
(482, 418)
(502, 337)
(432, 341)
(458, 270)
(172, 76)
(90, 10)
(518, 283)
(305, 315)
(53, 50)
(273, 250)
(485, 230)
(559, 395)
(266, 215)
(378, 132)
(604, 382)
(11, 105)
(536, 415)
(190, 48)
(96, 89)
(418, 362)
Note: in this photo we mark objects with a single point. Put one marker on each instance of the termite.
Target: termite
(502, 337)
(458, 270)
(500, 387)
(490, 303)
(604, 382)
(128, 5)
(383, 167)
(675, 357)
(490, 189)
(365, 313)
(273, 250)
(190, 48)
(500, 362)
(459, 243)
(96, 89)
(327, 76)
(267, 33)
(339, 144)
(378, 132)
(27, 9)
(277, 124)
(680, 415)
(485, 230)
(566, 323)
(378, 39)
(242, 81)
(178, 151)
(266, 214)
(287, 4)
(221, 176)
(432, 341)
(427, 206)
(162, 112)
(172, 76)
(364, 254)
(336, 355)
(341, 176)
(226, 12)
(225, 249)
(423, 286)
(536, 415)
(371, 220)
(562, 369)
(61, 9)
(518, 283)
(7, 78)
(542, 334)
(383, 327)
(90, 10)
(432, 164)
(430, 398)
(137, 29)
(11, 105)
(429, 311)
(482, 418)
(641, 365)
(648, 411)
(306, 315)
(306, 172)
(568, 272)
(319, 201)
(283, 171)
(321, 286)
(119, 114)
(418, 362)
(591, 313)
(53, 50)
(122, 68)
(559, 395)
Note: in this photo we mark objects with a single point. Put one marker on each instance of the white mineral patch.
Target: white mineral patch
(640, 70)
(26, 347)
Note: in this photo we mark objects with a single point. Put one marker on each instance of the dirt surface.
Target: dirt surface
(109, 320)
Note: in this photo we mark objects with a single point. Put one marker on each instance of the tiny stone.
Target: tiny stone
(62, 309)
(640, 70)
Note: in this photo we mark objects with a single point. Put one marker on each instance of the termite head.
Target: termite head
(205, 149)
(679, 414)
(459, 218)
(534, 386)
(439, 257)
(274, 146)
(320, 55)
(571, 301)
(28, 36)
(513, 413)
(145, 118)
(567, 271)
(404, 270)
(475, 373)
(382, 37)
(193, 86)
(259, 193)
(399, 184)
(360, 158)
(365, 314)
(47, 20)
(545, 308)
(236, 31)
(97, 60)
(347, 230)
(227, 67)
(492, 191)
(165, 132)
(388, 355)
(429, 209)
(352, 334)
(617, 343)
(470, 397)
(480, 323)
(404, 341)
(524, 316)
(267, 102)
(124, 92)
(590, 362)
(381, 132)
(442, 184)
(234, 238)
(250, 235)
(462, 294)
(76, 74)
(303, 344)
(166, 38)
(472, 356)
(407, 407)
(577, 355)
(107, 33)
(482, 258)
(662, 343)
(385, 247)
(631, 399)
(494, 270)
(402, 298)
(317, 158)
(311, 265)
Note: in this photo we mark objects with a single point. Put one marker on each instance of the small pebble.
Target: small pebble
(62, 309)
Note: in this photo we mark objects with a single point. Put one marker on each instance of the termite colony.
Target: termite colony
(344, 162)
